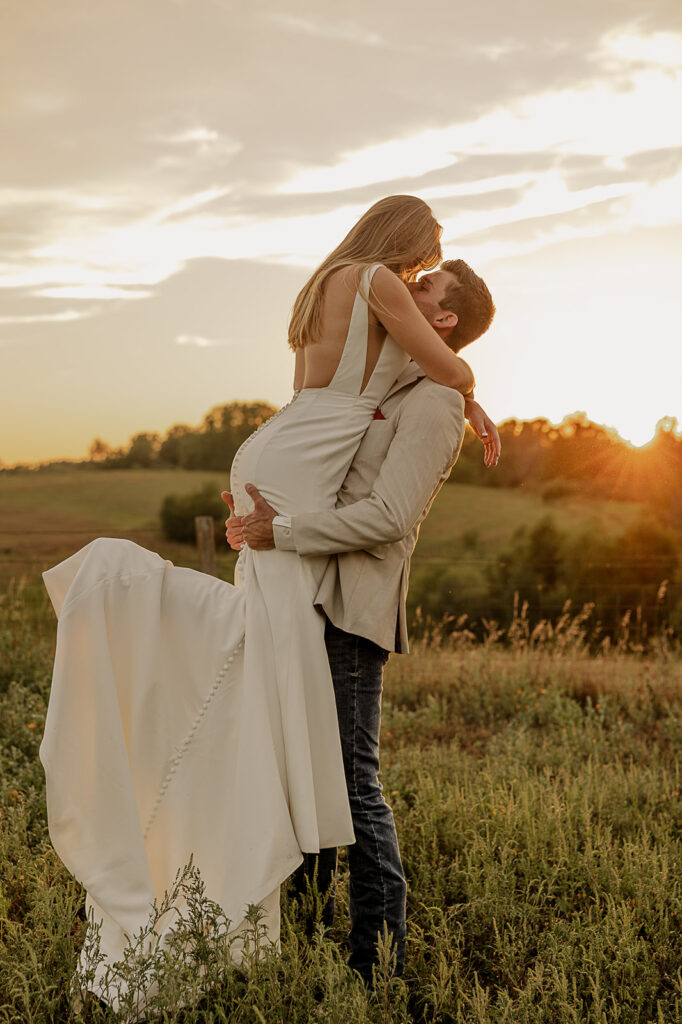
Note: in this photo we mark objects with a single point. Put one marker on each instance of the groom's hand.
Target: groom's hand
(257, 526)
(234, 532)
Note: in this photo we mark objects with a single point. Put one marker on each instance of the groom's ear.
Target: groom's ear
(444, 320)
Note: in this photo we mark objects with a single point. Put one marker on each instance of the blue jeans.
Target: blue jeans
(377, 883)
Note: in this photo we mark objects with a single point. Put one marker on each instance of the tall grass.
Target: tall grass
(536, 790)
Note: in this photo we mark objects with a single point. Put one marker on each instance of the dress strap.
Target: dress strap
(351, 368)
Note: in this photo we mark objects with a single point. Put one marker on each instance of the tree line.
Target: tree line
(581, 457)
(575, 457)
(629, 580)
(638, 572)
(212, 445)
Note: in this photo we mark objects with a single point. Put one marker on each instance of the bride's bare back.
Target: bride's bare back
(317, 362)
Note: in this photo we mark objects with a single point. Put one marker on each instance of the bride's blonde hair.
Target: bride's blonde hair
(398, 231)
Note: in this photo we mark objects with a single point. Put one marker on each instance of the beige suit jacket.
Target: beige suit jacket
(399, 468)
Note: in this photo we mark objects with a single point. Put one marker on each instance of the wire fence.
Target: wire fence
(609, 596)
(623, 562)
(419, 560)
(100, 531)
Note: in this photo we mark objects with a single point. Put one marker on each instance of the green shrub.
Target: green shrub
(178, 512)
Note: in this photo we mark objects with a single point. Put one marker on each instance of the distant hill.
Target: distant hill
(46, 513)
(478, 546)
(577, 457)
(571, 512)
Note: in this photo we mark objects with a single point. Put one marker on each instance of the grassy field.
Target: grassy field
(46, 515)
(537, 797)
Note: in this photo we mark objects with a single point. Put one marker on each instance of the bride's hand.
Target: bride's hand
(234, 531)
(485, 430)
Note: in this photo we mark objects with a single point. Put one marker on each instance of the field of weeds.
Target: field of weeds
(536, 790)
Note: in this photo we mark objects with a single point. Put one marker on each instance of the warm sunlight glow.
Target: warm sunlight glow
(663, 49)
(598, 120)
(637, 438)
(160, 228)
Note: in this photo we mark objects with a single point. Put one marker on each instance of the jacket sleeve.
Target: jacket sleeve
(425, 446)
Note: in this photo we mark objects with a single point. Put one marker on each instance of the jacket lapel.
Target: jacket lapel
(410, 374)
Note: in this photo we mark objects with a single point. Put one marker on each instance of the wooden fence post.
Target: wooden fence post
(206, 543)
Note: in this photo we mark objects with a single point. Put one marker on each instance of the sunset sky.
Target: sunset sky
(171, 171)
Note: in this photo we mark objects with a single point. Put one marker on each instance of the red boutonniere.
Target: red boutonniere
(378, 414)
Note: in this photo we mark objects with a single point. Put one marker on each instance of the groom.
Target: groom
(403, 460)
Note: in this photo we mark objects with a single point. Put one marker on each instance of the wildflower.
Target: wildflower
(31, 725)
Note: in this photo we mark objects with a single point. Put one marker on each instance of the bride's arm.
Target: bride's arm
(396, 311)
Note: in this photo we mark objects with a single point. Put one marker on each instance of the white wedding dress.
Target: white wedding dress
(188, 716)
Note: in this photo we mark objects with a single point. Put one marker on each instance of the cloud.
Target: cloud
(503, 48)
(123, 262)
(45, 318)
(187, 203)
(383, 162)
(343, 32)
(191, 135)
(190, 144)
(199, 342)
(596, 119)
(547, 196)
(92, 291)
(214, 168)
(659, 49)
(163, 172)
(44, 104)
(607, 215)
(13, 196)
(658, 205)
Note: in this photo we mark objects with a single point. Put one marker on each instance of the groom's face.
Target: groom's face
(429, 291)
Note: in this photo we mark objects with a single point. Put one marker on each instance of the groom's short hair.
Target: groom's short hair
(471, 300)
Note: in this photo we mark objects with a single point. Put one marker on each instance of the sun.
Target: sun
(635, 421)
(637, 437)
(641, 436)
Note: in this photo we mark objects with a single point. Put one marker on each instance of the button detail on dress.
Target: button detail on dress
(180, 752)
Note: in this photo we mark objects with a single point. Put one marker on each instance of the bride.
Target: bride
(192, 718)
